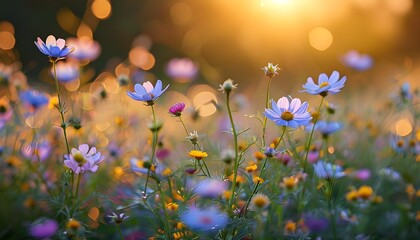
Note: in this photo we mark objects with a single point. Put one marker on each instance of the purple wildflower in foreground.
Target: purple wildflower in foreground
(83, 159)
(177, 109)
(357, 61)
(206, 220)
(147, 92)
(55, 49)
(293, 114)
(326, 85)
(43, 228)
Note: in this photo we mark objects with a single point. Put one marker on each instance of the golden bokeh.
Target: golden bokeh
(101, 9)
(7, 40)
(403, 127)
(141, 58)
(181, 13)
(320, 38)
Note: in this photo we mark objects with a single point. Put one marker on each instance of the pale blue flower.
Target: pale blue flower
(34, 99)
(293, 114)
(325, 128)
(66, 71)
(326, 85)
(328, 170)
(147, 92)
(206, 220)
(55, 49)
(357, 61)
(211, 188)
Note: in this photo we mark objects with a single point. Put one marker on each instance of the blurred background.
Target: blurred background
(224, 39)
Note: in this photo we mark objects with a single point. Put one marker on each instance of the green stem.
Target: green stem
(61, 108)
(183, 124)
(77, 185)
(119, 232)
(331, 208)
(267, 98)
(235, 143)
(166, 221)
(155, 136)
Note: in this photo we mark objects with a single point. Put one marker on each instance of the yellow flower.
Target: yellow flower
(259, 201)
(259, 155)
(251, 168)
(351, 196)
(290, 227)
(197, 154)
(410, 190)
(118, 172)
(172, 206)
(377, 199)
(227, 194)
(257, 179)
(73, 224)
(167, 172)
(364, 192)
(290, 182)
(53, 103)
(239, 179)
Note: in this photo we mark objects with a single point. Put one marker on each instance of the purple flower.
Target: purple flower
(34, 99)
(37, 152)
(206, 220)
(66, 71)
(182, 69)
(211, 188)
(293, 114)
(316, 224)
(146, 92)
(328, 170)
(43, 228)
(326, 85)
(357, 61)
(177, 109)
(83, 159)
(55, 49)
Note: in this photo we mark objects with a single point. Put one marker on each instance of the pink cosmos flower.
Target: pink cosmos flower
(83, 159)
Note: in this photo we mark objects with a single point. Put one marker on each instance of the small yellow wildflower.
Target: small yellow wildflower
(227, 194)
(118, 172)
(73, 224)
(364, 192)
(53, 103)
(198, 155)
(290, 227)
(251, 168)
(377, 199)
(259, 155)
(352, 195)
(257, 179)
(289, 182)
(410, 190)
(259, 201)
(172, 206)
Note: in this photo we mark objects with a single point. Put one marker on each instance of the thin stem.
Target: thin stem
(310, 137)
(162, 201)
(267, 98)
(119, 232)
(61, 108)
(183, 124)
(77, 185)
(235, 143)
(155, 132)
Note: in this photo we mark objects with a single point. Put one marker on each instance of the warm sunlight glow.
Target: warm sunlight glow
(181, 13)
(320, 38)
(7, 40)
(403, 127)
(101, 9)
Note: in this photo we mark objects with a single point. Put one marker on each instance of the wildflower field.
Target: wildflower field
(124, 154)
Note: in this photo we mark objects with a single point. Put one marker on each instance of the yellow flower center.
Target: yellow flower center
(365, 192)
(324, 84)
(287, 116)
(78, 157)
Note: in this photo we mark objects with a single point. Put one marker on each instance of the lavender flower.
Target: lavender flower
(210, 188)
(66, 71)
(55, 49)
(357, 61)
(83, 159)
(293, 114)
(34, 99)
(146, 92)
(182, 69)
(86, 49)
(43, 228)
(328, 170)
(206, 220)
(177, 109)
(326, 128)
(326, 85)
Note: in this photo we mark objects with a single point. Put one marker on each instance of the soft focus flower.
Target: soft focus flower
(197, 154)
(270, 152)
(271, 70)
(398, 143)
(6, 111)
(357, 61)
(43, 228)
(37, 152)
(290, 227)
(142, 166)
(33, 99)
(66, 71)
(83, 159)
(315, 224)
(362, 174)
(211, 188)
(85, 48)
(328, 170)
(259, 202)
(227, 155)
(206, 220)
(364, 192)
(326, 85)
(55, 49)
(293, 114)
(118, 218)
(290, 183)
(147, 92)
(325, 128)
(182, 69)
(177, 109)
(227, 86)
